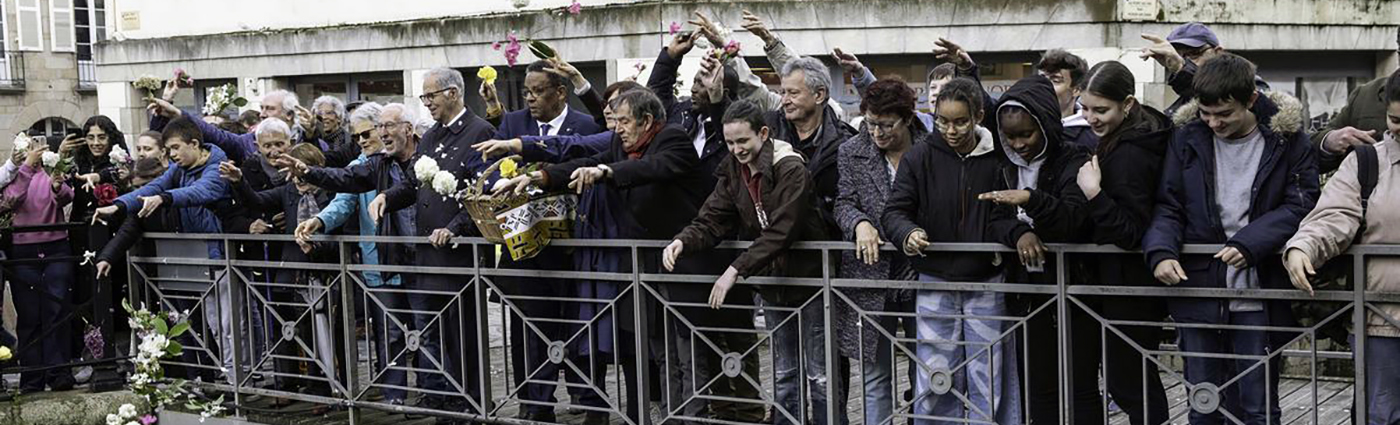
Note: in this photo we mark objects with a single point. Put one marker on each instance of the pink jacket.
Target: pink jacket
(36, 203)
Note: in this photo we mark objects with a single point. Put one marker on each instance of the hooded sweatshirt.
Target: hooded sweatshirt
(1077, 130)
(1055, 209)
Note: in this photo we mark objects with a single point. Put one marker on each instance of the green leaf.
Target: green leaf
(126, 304)
(240, 102)
(541, 50)
(179, 329)
(174, 348)
(161, 327)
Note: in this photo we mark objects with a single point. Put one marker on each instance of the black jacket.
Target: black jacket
(936, 190)
(378, 172)
(338, 149)
(821, 155)
(1056, 206)
(284, 199)
(1130, 164)
(451, 147)
(682, 113)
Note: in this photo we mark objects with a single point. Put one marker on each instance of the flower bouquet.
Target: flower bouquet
(150, 84)
(221, 97)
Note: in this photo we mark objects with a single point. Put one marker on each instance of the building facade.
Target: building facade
(373, 50)
(47, 78)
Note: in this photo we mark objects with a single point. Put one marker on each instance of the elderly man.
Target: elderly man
(807, 122)
(1361, 121)
(329, 132)
(1184, 50)
(440, 218)
(280, 104)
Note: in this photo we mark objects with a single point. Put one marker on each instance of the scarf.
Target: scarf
(307, 206)
(641, 146)
(272, 174)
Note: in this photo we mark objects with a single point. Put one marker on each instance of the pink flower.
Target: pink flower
(675, 28)
(148, 419)
(575, 8)
(512, 49)
(495, 45)
(732, 48)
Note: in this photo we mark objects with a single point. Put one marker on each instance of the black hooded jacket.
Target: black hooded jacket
(1130, 164)
(1056, 206)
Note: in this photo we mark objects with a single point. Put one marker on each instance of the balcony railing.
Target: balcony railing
(87, 75)
(457, 330)
(12, 70)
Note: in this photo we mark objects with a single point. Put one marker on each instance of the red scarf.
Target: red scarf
(641, 146)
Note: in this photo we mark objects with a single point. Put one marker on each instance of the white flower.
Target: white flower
(21, 142)
(113, 419)
(425, 168)
(119, 155)
(140, 379)
(50, 159)
(133, 423)
(127, 410)
(444, 183)
(520, 4)
(153, 344)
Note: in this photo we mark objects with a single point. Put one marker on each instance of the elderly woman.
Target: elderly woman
(867, 164)
(1341, 219)
(330, 134)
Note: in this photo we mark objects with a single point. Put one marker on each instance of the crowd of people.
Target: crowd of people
(1069, 154)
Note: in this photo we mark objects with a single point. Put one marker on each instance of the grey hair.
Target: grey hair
(447, 77)
(289, 100)
(405, 113)
(273, 125)
(814, 73)
(336, 104)
(367, 112)
(422, 126)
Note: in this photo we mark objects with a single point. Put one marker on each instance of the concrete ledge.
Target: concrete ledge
(76, 407)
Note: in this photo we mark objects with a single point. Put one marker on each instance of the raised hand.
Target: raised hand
(946, 50)
(229, 171)
(1163, 52)
(848, 61)
(753, 24)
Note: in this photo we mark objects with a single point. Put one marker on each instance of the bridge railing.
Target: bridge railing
(485, 338)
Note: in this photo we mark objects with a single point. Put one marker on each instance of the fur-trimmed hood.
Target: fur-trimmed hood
(1278, 111)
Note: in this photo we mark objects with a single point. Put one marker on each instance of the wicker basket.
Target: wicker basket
(483, 207)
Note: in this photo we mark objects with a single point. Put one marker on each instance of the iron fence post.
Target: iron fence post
(641, 355)
(352, 354)
(829, 351)
(1358, 349)
(235, 294)
(1062, 340)
(483, 339)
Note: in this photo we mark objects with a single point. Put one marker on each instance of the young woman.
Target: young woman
(1335, 224)
(41, 288)
(1121, 184)
(934, 199)
(867, 164)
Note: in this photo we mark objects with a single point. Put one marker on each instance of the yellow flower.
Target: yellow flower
(5, 353)
(487, 74)
(509, 169)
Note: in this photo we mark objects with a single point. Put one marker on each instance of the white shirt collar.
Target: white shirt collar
(557, 123)
(458, 117)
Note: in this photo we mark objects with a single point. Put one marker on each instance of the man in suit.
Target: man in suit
(440, 218)
(654, 170)
(547, 113)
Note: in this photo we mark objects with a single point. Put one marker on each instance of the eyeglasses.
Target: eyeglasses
(425, 97)
(883, 127)
(389, 125)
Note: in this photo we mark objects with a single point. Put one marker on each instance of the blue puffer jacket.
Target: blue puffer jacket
(191, 190)
(1285, 189)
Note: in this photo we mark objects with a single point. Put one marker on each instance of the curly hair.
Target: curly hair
(889, 96)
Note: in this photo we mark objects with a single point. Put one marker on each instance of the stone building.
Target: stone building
(47, 78)
(362, 49)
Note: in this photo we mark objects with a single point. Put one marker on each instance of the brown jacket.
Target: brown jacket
(1329, 229)
(789, 205)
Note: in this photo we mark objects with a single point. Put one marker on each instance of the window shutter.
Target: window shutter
(61, 22)
(31, 31)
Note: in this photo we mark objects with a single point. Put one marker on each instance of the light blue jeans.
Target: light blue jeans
(966, 346)
(877, 371)
(798, 346)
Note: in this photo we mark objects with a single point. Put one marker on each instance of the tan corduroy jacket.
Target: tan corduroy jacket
(1331, 226)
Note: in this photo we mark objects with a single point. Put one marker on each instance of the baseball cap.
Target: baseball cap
(1194, 34)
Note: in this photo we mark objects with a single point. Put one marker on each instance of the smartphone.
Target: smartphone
(685, 35)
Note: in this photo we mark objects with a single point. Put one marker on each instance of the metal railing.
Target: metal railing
(12, 70)
(490, 343)
(87, 74)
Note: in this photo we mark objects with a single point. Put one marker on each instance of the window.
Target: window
(51, 127)
(61, 25)
(90, 25)
(31, 31)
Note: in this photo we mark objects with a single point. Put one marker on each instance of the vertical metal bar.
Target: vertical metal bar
(641, 355)
(235, 292)
(1312, 340)
(483, 340)
(1358, 316)
(829, 345)
(1062, 341)
(347, 309)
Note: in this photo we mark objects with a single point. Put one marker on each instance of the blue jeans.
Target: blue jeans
(877, 372)
(1253, 399)
(972, 351)
(40, 295)
(798, 346)
(390, 357)
(1382, 380)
